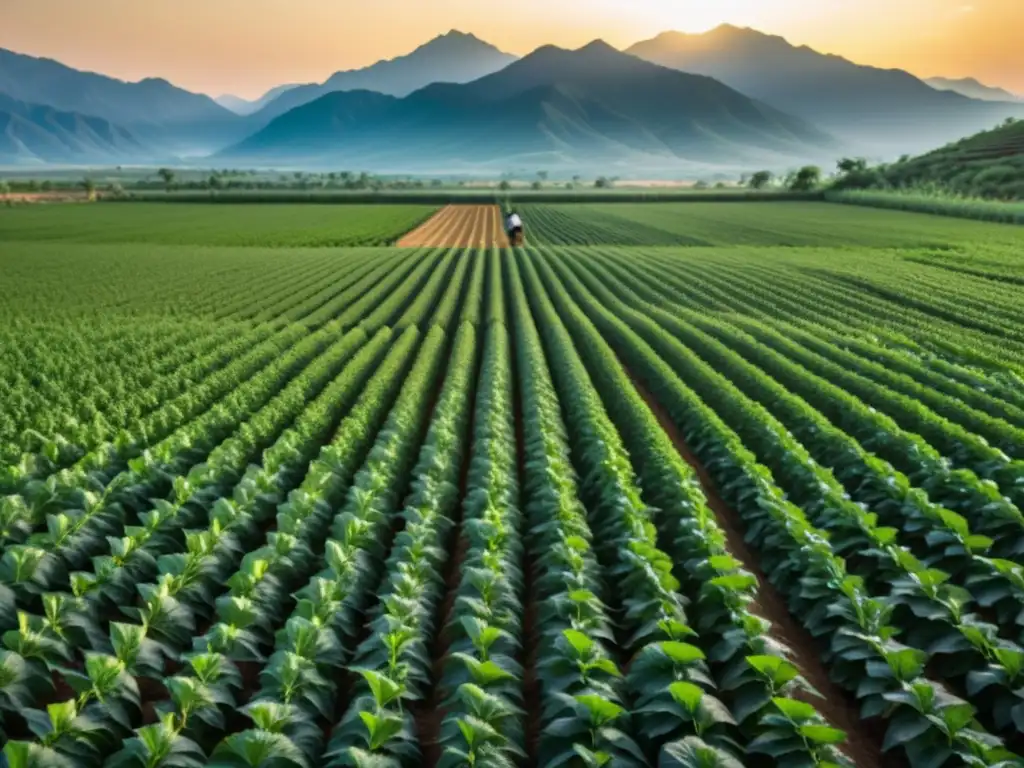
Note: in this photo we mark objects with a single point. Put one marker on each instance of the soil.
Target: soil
(532, 699)
(459, 226)
(430, 716)
(864, 739)
(61, 196)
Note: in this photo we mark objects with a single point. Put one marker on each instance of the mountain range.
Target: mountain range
(164, 116)
(880, 111)
(38, 133)
(555, 108)
(968, 86)
(731, 97)
(451, 58)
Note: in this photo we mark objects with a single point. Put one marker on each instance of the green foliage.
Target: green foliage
(222, 225)
(804, 179)
(381, 508)
(760, 179)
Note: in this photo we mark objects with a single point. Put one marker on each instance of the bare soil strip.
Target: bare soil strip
(459, 226)
(863, 744)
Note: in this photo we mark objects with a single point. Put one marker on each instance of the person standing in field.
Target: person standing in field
(514, 228)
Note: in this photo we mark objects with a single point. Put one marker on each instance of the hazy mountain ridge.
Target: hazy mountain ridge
(969, 86)
(153, 109)
(886, 110)
(35, 133)
(730, 96)
(455, 57)
(564, 108)
(245, 107)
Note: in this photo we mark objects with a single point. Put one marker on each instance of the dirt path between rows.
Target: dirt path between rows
(864, 741)
(459, 226)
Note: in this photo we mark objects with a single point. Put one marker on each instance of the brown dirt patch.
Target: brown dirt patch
(63, 196)
(863, 744)
(459, 226)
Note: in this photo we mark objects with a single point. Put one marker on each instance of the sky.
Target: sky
(245, 47)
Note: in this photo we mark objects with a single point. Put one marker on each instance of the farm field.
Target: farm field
(278, 225)
(728, 224)
(651, 505)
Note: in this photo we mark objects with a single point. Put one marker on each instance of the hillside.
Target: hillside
(451, 58)
(552, 109)
(34, 133)
(152, 108)
(883, 111)
(968, 86)
(987, 164)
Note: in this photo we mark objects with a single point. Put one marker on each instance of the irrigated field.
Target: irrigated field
(627, 506)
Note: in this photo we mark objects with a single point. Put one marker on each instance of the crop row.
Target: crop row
(521, 508)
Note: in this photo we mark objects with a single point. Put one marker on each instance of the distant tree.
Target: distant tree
(851, 165)
(46, 186)
(537, 185)
(542, 175)
(168, 177)
(89, 186)
(504, 185)
(436, 183)
(33, 185)
(116, 190)
(701, 184)
(215, 182)
(806, 179)
(603, 182)
(5, 188)
(719, 185)
(760, 180)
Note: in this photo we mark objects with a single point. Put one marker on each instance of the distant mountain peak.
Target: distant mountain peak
(156, 82)
(455, 39)
(598, 46)
(458, 34)
(876, 110)
(453, 57)
(972, 87)
(731, 30)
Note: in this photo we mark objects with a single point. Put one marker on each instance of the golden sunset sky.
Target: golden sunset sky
(247, 46)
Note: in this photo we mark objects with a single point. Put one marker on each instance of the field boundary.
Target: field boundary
(482, 197)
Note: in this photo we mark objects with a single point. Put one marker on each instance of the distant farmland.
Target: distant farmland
(675, 484)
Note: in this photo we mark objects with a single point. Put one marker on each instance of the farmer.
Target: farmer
(514, 227)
